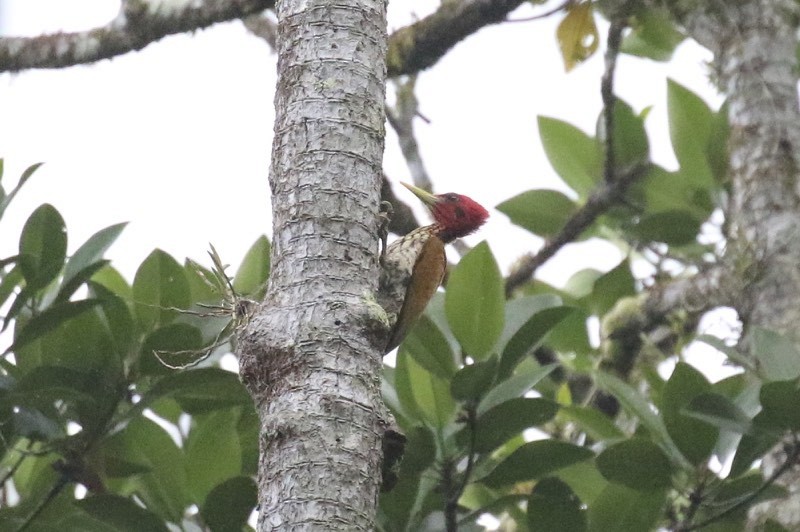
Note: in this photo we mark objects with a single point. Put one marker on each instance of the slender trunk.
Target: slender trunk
(311, 355)
(754, 45)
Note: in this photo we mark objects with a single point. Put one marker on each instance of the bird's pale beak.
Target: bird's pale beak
(425, 197)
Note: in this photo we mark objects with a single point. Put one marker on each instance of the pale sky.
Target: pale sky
(176, 138)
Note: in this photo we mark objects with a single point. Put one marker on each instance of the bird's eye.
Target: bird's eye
(451, 197)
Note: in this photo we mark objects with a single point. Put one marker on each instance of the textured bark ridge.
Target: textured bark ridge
(311, 357)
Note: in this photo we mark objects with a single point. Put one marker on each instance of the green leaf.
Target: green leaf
(553, 505)
(115, 282)
(596, 424)
(665, 191)
(160, 289)
(121, 513)
(611, 287)
(636, 463)
(577, 35)
(542, 212)
(196, 390)
(776, 355)
(501, 423)
(631, 146)
(251, 277)
(176, 344)
(430, 349)
(520, 309)
(727, 350)
(530, 336)
(676, 228)
(472, 381)
(50, 319)
(80, 342)
(213, 454)
(654, 35)
(116, 315)
(5, 199)
(753, 446)
(406, 402)
(203, 283)
(91, 251)
(163, 489)
(69, 288)
(78, 393)
(622, 509)
(515, 386)
(534, 460)
(571, 334)
(431, 394)
(718, 411)
(229, 505)
(42, 246)
(690, 122)
(575, 156)
(779, 401)
(634, 403)
(474, 302)
(420, 451)
(248, 428)
(9, 282)
(585, 480)
(694, 438)
(30, 423)
(732, 492)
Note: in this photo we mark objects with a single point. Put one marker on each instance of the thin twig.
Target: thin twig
(265, 26)
(790, 461)
(52, 494)
(605, 197)
(607, 93)
(540, 16)
(13, 468)
(401, 118)
(453, 493)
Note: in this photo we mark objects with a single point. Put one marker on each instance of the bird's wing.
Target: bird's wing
(426, 277)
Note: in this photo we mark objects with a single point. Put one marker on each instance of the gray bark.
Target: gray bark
(754, 45)
(311, 357)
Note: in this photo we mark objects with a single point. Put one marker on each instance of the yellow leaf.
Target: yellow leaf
(577, 35)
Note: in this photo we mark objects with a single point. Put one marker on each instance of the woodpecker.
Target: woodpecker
(413, 266)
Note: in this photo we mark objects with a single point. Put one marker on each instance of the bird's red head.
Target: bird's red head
(457, 215)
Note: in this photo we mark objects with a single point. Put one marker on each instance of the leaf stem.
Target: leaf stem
(791, 460)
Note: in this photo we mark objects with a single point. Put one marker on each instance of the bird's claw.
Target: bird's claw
(385, 212)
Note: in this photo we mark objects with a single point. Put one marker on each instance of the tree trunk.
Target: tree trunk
(754, 46)
(311, 356)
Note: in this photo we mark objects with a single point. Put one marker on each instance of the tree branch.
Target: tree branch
(138, 24)
(401, 118)
(606, 196)
(422, 44)
(264, 26)
(607, 92)
(744, 502)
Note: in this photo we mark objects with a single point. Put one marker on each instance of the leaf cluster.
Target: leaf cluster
(89, 393)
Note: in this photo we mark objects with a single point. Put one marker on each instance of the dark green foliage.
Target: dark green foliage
(82, 378)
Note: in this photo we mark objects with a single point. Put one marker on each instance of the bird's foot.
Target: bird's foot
(385, 212)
